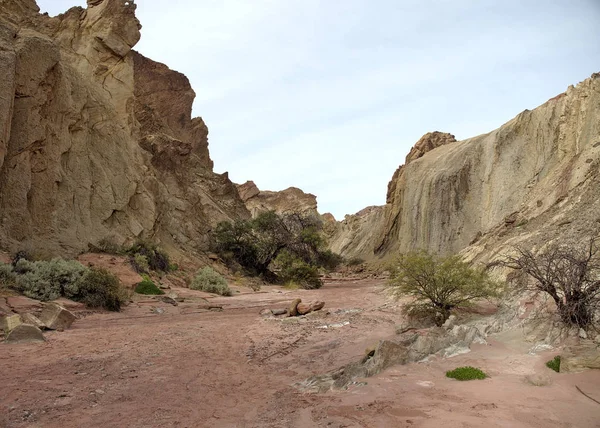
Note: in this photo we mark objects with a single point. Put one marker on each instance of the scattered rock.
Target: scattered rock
(304, 309)
(450, 322)
(9, 322)
(175, 297)
(157, 311)
(25, 333)
(293, 310)
(279, 311)
(582, 334)
(33, 320)
(266, 313)
(55, 317)
(70, 304)
(579, 358)
(167, 299)
(404, 327)
(21, 304)
(538, 379)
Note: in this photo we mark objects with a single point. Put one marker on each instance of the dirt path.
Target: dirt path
(187, 367)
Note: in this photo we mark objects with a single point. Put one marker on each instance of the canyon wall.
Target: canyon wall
(97, 141)
(291, 199)
(531, 181)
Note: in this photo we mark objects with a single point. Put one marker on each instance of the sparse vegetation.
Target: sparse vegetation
(569, 274)
(466, 373)
(101, 289)
(140, 263)
(208, 280)
(258, 246)
(148, 287)
(438, 285)
(108, 245)
(355, 261)
(554, 364)
(157, 259)
(49, 280)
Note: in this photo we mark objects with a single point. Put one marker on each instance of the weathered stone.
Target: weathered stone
(22, 304)
(583, 334)
(580, 358)
(284, 201)
(70, 304)
(175, 297)
(305, 308)
(168, 299)
(55, 317)
(279, 311)
(33, 320)
(293, 309)
(9, 322)
(25, 333)
(450, 322)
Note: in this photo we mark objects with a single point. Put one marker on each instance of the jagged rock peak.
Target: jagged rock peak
(291, 199)
(428, 142)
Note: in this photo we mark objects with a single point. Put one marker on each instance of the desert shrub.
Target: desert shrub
(48, 280)
(147, 286)
(21, 255)
(567, 273)
(7, 276)
(140, 263)
(108, 245)
(355, 261)
(158, 259)
(466, 373)
(438, 285)
(295, 270)
(256, 244)
(208, 280)
(101, 289)
(554, 364)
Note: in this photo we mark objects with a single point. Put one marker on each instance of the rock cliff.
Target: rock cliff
(289, 200)
(96, 140)
(533, 180)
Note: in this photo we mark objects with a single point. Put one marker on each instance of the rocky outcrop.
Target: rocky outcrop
(96, 140)
(356, 236)
(289, 200)
(531, 181)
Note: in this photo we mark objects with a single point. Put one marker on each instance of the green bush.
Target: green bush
(140, 263)
(7, 276)
(148, 287)
(208, 280)
(158, 259)
(101, 289)
(554, 364)
(297, 271)
(466, 373)
(439, 285)
(49, 280)
(108, 245)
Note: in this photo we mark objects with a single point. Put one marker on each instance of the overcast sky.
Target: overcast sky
(330, 95)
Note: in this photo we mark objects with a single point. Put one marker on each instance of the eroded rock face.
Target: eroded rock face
(289, 200)
(97, 140)
(357, 235)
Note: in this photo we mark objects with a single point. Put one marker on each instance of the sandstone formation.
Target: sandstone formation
(531, 181)
(357, 235)
(291, 199)
(96, 140)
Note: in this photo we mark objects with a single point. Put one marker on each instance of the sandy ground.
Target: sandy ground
(189, 367)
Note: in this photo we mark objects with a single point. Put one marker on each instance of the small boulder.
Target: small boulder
(279, 311)
(450, 322)
(175, 297)
(305, 308)
(33, 320)
(55, 317)
(168, 299)
(580, 358)
(266, 313)
(25, 333)
(21, 304)
(9, 322)
(293, 310)
(582, 334)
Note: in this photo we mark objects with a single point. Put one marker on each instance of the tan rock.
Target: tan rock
(293, 309)
(291, 199)
(28, 318)
(9, 322)
(21, 304)
(580, 358)
(25, 333)
(55, 317)
(305, 308)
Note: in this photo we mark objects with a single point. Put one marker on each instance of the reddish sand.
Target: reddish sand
(188, 367)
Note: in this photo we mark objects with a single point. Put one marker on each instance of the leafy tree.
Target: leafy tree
(569, 274)
(438, 285)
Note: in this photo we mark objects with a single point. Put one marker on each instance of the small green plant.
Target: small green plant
(148, 287)
(296, 270)
(7, 276)
(140, 263)
(554, 364)
(48, 280)
(101, 289)
(157, 258)
(466, 373)
(208, 280)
